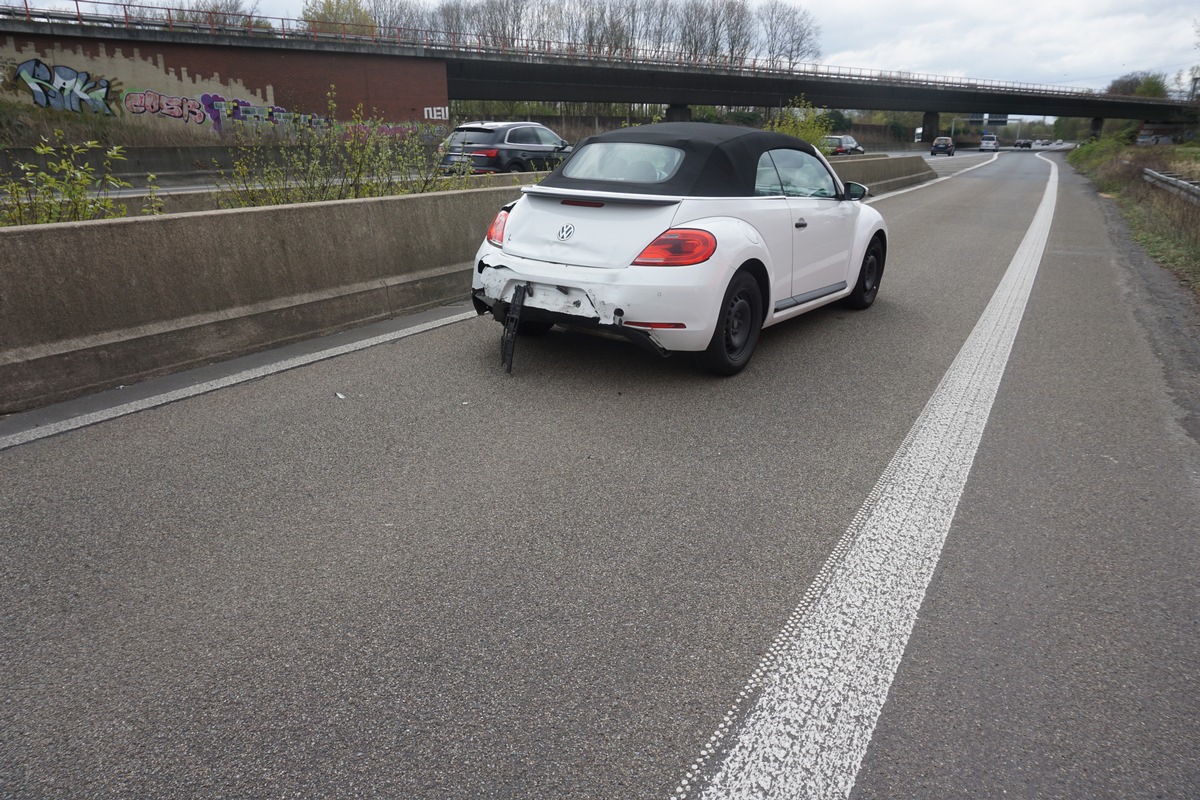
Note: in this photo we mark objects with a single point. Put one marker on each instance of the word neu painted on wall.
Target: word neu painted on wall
(150, 102)
(64, 88)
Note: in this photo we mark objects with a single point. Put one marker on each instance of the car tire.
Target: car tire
(869, 275)
(516, 166)
(739, 323)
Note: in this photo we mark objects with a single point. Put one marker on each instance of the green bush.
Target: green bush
(67, 189)
(804, 121)
(362, 158)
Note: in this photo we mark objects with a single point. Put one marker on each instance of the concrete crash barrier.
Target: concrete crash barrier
(884, 174)
(91, 305)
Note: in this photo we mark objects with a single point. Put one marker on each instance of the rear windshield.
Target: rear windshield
(942, 140)
(633, 162)
(989, 138)
(469, 136)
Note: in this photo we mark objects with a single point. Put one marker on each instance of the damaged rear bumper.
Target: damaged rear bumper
(499, 309)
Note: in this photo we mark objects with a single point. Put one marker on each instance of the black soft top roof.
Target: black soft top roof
(719, 160)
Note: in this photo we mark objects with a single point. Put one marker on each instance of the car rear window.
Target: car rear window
(469, 136)
(633, 162)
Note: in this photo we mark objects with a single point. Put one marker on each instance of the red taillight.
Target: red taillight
(485, 153)
(678, 247)
(495, 234)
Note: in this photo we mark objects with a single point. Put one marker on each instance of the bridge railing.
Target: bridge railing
(133, 16)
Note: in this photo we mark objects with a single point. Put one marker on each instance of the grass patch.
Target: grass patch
(23, 124)
(1165, 224)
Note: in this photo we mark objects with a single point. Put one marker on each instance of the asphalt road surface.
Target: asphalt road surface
(945, 547)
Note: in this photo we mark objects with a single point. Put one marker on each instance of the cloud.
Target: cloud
(1058, 43)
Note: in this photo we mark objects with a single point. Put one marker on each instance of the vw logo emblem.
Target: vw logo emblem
(565, 232)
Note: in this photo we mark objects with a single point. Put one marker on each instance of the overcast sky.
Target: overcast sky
(1077, 43)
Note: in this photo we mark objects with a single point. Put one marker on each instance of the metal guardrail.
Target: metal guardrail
(1184, 187)
(134, 16)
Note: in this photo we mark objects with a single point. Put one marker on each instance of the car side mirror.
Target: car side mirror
(856, 191)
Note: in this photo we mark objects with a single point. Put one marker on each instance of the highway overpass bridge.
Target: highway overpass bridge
(410, 75)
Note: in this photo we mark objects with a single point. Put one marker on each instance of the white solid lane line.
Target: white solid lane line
(820, 689)
(32, 434)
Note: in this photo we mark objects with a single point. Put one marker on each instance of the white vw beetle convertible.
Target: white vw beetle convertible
(681, 237)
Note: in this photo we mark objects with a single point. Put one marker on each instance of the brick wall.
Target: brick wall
(395, 88)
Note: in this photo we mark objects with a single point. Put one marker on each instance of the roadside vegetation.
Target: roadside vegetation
(361, 158)
(1164, 223)
(74, 170)
(804, 121)
(23, 124)
(67, 188)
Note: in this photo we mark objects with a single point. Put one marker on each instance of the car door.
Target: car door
(770, 215)
(553, 148)
(822, 226)
(526, 147)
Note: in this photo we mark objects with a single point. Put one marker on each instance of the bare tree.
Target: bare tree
(595, 27)
(782, 33)
(224, 13)
(501, 22)
(452, 18)
(660, 28)
(773, 25)
(738, 29)
(544, 20)
(392, 14)
(802, 38)
(694, 28)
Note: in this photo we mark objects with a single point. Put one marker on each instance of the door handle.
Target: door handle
(800, 223)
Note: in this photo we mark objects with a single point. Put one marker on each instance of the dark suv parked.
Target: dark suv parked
(502, 147)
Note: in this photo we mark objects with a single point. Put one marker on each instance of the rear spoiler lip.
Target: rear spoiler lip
(603, 197)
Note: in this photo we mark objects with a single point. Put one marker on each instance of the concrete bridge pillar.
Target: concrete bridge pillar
(1097, 127)
(929, 125)
(679, 112)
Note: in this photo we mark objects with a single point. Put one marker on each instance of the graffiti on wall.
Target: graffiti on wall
(222, 111)
(67, 89)
(150, 102)
(400, 130)
(64, 88)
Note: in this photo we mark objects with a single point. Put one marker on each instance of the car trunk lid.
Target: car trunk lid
(585, 228)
